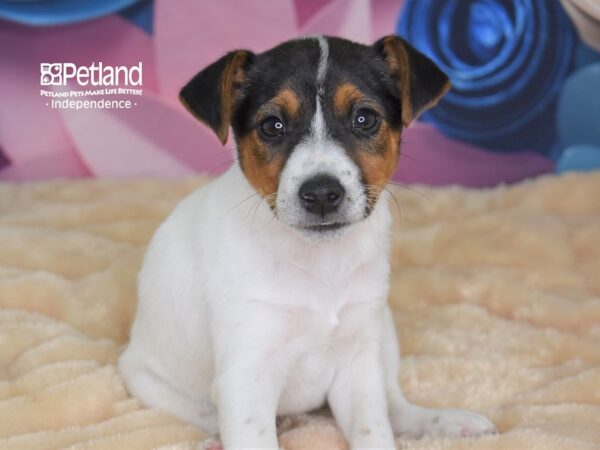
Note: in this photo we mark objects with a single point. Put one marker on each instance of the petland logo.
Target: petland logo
(59, 74)
(72, 86)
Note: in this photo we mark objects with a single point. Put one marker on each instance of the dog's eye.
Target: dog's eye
(272, 127)
(365, 120)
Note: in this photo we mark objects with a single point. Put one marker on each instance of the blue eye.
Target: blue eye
(365, 120)
(272, 127)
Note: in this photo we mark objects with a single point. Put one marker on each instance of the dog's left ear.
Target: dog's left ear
(211, 95)
(420, 81)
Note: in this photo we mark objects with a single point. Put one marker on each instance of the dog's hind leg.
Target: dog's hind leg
(155, 392)
(415, 421)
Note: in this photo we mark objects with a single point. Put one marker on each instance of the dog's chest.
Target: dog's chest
(321, 343)
(317, 313)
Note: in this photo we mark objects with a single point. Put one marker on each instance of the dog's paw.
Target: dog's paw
(210, 444)
(457, 423)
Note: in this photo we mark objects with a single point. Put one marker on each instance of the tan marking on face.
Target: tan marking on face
(285, 103)
(261, 169)
(378, 159)
(379, 154)
(288, 102)
(346, 94)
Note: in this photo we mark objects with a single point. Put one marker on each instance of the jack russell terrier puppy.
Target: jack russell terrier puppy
(264, 292)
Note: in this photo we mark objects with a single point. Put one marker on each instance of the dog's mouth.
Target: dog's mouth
(324, 227)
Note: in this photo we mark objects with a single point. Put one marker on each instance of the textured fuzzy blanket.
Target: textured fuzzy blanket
(496, 295)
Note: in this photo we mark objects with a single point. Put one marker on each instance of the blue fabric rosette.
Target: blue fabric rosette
(507, 60)
(58, 12)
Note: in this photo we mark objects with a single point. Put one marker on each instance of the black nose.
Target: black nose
(321, 195)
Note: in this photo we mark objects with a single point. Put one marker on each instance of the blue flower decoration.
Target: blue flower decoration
(58, 12)
(507, 60)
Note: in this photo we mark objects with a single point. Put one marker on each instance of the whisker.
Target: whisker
(237, 205)
(396, 202)
(249, 210)
(255, 207)
(373, 193)
(408, 188)
(218, 166)
(273, 217)
(416, 145)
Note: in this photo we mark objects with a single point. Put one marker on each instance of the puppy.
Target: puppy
(264, 292)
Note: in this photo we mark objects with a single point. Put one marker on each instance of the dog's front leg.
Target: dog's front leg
(358, 401)
(247, 404)
(248, 375)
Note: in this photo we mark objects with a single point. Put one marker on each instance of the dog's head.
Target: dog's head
(317, 121)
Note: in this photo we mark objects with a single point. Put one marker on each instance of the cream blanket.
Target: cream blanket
(496, 295)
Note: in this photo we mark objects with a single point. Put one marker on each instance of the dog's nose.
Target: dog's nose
(321, 195)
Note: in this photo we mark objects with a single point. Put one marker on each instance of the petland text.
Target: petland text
(96, 74)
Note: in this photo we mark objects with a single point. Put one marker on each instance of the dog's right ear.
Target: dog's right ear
(211, 95)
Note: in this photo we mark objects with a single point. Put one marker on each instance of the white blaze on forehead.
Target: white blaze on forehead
(322, 70)
(318, 130)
